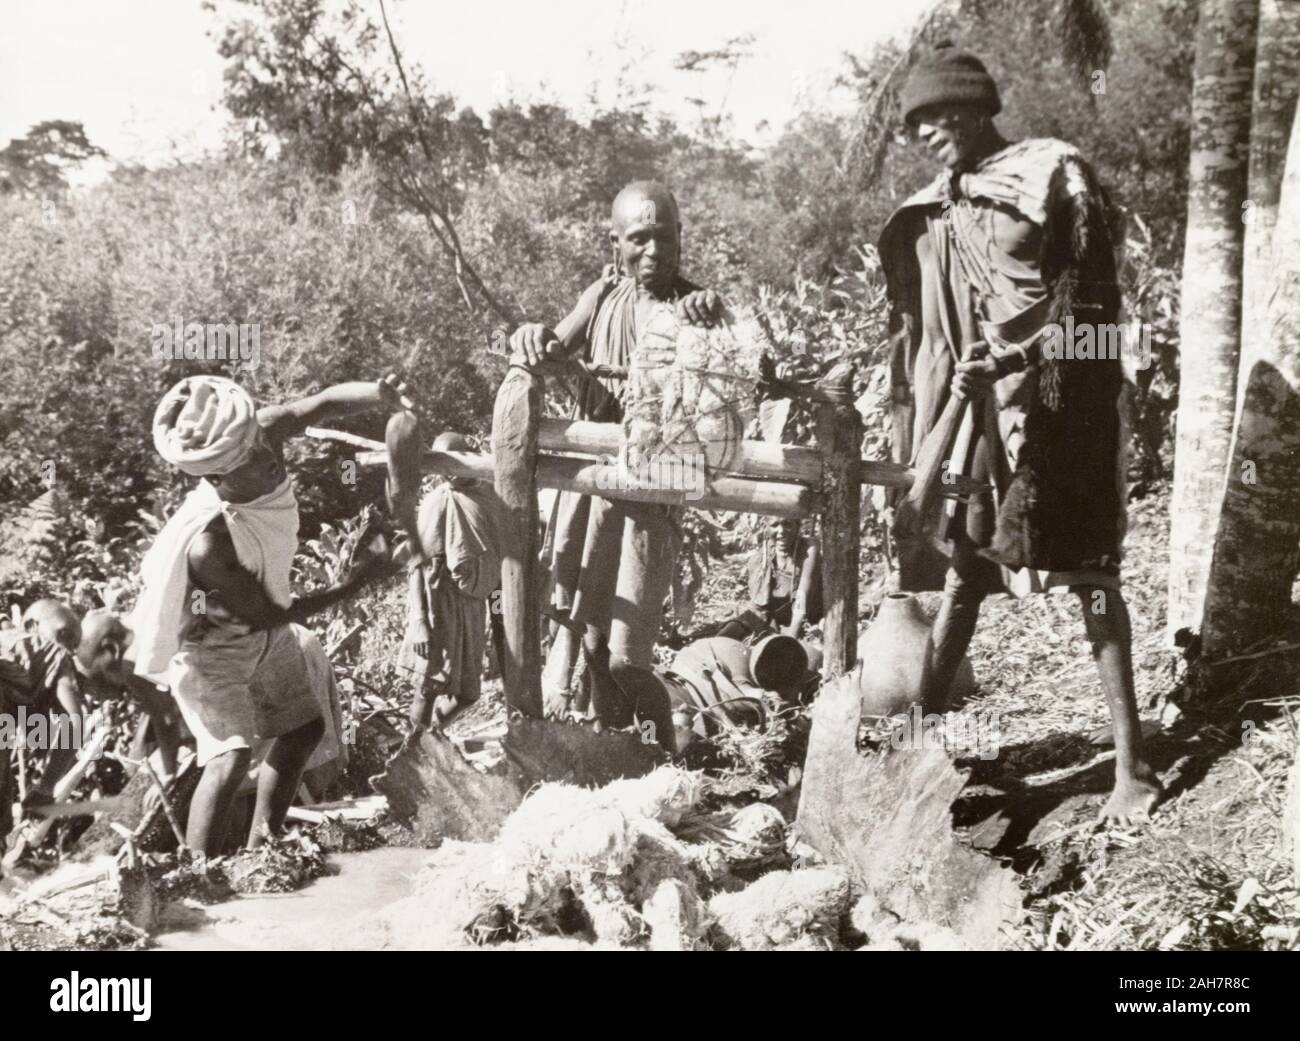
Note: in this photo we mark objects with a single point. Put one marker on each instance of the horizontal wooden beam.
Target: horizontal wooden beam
(759, 459)
(763, 460)
(740, 494)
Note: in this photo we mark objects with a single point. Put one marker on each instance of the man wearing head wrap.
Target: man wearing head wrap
(451, 579)
(613, 562)
(1008, 245)
(215, 618)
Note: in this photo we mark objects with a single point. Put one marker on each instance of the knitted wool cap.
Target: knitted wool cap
(949, 74)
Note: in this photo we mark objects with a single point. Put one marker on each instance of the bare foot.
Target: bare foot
(1133, 799)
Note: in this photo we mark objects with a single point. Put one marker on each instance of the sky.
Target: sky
(144, 78)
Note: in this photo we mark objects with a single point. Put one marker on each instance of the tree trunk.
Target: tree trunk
(1255, 557)
(1210, 332)
(1277, 83)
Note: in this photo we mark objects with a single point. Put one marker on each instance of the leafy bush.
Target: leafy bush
(309, 231)
(338, 289)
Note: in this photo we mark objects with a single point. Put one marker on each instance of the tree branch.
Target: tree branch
(448, 237)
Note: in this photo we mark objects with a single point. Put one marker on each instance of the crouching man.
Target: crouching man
(38, 673)
(108, 673)
(213, 620)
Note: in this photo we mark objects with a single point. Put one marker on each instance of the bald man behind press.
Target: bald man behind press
(613, 561)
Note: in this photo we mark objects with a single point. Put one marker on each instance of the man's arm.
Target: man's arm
(1077, 270)
(233, 591)
(533, 342)
(418, 609)
(68, 694)
(62, 752)
(281, 422)
(697, 305)
(157, 706)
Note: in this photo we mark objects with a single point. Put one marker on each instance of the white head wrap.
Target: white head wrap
(205, 425)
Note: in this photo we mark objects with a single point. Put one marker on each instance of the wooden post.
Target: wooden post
(514, 449)
(403, 488)
(839, 435)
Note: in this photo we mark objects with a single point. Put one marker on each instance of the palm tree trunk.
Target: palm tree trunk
(1210, 331)
(1256, 557)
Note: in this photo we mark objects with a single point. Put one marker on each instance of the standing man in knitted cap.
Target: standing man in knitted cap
(613, 561)
(214, 619)
(985, 266)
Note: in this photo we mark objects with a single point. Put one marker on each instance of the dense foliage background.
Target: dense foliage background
(326, 223)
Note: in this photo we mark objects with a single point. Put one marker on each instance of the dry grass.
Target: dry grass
(1207, 873)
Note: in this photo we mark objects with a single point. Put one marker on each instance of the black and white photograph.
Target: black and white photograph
(612, 475)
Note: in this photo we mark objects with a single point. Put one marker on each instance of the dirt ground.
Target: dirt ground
(1207, 873)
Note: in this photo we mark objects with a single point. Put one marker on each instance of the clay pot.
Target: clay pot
(894, 651)
(778, 662)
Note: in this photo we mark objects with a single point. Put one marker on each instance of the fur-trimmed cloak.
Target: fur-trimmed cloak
(1050, 437)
